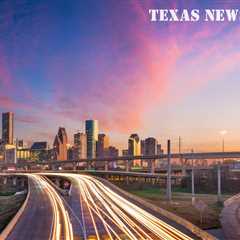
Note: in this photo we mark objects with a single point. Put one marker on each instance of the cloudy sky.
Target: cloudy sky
(62, 62)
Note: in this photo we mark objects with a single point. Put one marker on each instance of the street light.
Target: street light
(223, 133)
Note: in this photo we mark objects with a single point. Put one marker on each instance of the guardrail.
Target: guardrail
(231, 200)
(8, 229)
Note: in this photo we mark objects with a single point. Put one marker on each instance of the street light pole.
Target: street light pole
(219, 195)
(193, 185)
(169, 179)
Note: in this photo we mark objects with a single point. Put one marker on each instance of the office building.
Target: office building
(102, 145)
(159, 149)
(39, 151)
(80, 146)
(113, 152)
(10, 154)
(7, 128)
(134, 145)
(23, 155)
(134, 148)
(91, 127)
(60, 145)
(150, 146)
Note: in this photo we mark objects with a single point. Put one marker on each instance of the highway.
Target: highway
(104, 214)
(45, 216)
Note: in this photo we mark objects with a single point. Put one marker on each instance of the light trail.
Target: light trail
(115, 217)
(60, 215)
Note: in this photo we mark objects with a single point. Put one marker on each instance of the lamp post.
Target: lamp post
(193, 185)
(223, 133)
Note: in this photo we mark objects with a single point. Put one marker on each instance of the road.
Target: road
(230, 218)
(44, 217)
(104, 214)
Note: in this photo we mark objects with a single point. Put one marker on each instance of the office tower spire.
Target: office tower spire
(60, 144)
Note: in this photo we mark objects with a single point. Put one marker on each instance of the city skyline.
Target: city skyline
(136, 77)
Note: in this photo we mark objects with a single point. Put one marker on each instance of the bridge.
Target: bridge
(89, 162)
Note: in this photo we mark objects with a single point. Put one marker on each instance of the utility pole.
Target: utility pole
(169, 180)
(193, 185)
(219, 181)
(219, 194)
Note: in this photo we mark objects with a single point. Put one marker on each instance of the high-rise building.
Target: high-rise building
(92, 137)
(159, 149)
(142, 147)
(60, 145)
(102, 149)
(113, 152)
(134, 148)
(150, 146)
(102, 145)
(80, 146)
(134, 145)
(7, 128)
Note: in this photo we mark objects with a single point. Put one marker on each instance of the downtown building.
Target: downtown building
(80, 147)
(60, 145)
(150, 149)
(7, 128)
(8, 149)
(39, 151)
(102, 149)
(91, 128)
(134, 148)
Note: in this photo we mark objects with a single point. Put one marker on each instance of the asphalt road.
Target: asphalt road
(105, 214)
(45, 215)
(36, 220)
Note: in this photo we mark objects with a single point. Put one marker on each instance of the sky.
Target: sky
(62, 62)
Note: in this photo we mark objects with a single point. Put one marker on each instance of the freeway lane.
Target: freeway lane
(44, 217)
(36, 220)
(107, 215)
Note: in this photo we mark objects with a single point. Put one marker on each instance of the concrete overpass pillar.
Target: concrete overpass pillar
(106, 166)
(74, 166)
(14, 181)
(169, 179)
(184, 169)
(152, 166)
(88, 165)
(219, 182)
(4, 180)
(127, 165)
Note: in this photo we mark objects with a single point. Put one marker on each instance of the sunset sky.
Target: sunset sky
(62, 62)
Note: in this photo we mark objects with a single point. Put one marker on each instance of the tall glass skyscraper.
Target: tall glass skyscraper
(7, 128)
(91, 127)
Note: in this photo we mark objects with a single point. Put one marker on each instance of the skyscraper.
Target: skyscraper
(102, 149)
(150, 146)
(102, 145)
(60, 144)
(134, 148)
(91, 127)
(80, 146)
(7, 128)
(134, 145)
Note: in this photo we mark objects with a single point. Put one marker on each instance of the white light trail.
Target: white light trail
(114, 216)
